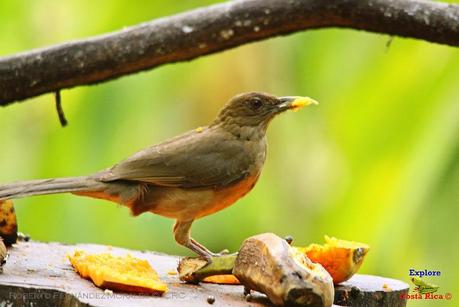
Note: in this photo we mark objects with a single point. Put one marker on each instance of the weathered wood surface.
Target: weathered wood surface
(368, 290)
(39, 274)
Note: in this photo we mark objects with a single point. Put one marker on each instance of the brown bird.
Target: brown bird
(186, 177)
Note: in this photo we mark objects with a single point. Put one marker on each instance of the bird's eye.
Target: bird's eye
(256, 103)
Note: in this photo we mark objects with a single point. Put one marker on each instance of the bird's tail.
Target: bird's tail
(49, 186)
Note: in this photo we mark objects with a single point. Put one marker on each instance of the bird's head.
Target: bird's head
(256, 109)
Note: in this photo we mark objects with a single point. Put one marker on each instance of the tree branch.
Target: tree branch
(211, 29)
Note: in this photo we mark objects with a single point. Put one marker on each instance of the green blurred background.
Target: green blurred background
(377, 161)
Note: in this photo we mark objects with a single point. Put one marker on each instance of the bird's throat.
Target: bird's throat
(246, 133)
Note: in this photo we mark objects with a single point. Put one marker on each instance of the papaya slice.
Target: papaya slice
(119, 273)
(342, 259)
(225, 279)
(8, 222)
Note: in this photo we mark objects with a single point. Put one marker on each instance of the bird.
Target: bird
(186, 177)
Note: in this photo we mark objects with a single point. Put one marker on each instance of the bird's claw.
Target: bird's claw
(223, 252)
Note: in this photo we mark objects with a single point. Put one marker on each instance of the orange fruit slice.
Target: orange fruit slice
(122, 273)
(226, 279)
(8, 223)
(340, 258)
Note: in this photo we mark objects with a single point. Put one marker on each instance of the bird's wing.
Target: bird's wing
(195, 159)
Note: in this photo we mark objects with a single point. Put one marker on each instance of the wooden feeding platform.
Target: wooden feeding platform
(39, 274)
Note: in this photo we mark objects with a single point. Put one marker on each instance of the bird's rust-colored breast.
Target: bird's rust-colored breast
(227, 196)
(191, 204)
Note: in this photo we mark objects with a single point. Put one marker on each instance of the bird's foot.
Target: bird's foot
(210, 255)
(204, 253)
(224, 252)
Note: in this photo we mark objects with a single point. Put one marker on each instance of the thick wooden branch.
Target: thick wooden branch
(211, 29)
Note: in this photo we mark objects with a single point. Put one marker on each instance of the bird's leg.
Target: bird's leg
(182, 236)
(200, 246)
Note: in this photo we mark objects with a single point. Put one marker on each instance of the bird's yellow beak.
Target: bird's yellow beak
(295, 103)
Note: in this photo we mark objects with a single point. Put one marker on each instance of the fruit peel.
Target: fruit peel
(268, 264)
(8, 222)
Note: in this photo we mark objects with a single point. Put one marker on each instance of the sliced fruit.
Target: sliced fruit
(340, 258)
(226, 279)
(8, 223)
(121, 273)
